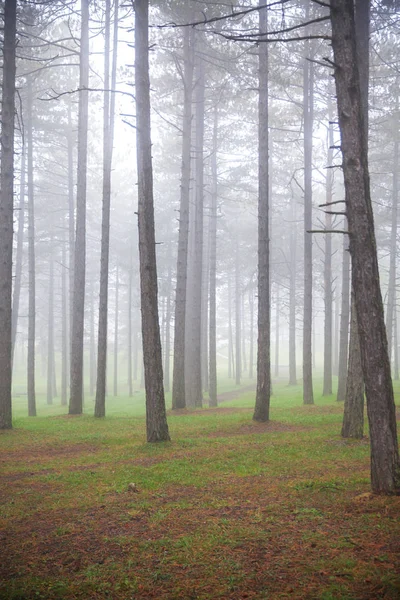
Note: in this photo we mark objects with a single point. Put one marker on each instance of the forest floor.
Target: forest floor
(229, 509)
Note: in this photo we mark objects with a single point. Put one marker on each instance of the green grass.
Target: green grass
(228, 509)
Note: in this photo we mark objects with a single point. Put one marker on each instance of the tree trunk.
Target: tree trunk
(385, 464)
(108, 138)
(64, 324)
(71, 221)
(31, 264)
(251, 351)
(244, 354)
(292, 296)
(328, 294)
(167, 354)
(396, 347)
(213, 266)
(277, 332)
(178, 379)
(344, 323)
(116, 327)
(194, 390)
(308, 83)
(50, 325)
(78, 311)
(353, 416)
(263, 393)
(19, 251)
(336, 332)
(129, 326)
(92, 347)
(238, 323)
(231, 360)
(156, 419)
(6, 210)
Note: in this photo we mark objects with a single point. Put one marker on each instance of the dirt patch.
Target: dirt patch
(254, 427)
(36, 453)
(206, 411)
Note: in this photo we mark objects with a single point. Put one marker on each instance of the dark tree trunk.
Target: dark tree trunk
(156, 419)
(213, 266)
(6, 210)
(194, 393)
(385, 465)
(308, 83)
(178, 379)
(238, 320)
(396, 347)
(19, 251)
(328, 293)
(31, 264)
(78, 311)
(263, 394)
(108, 138)
(251, 351)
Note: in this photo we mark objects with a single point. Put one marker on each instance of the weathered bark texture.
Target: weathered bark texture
(353, 416)
(263, 394)
(213, 267)
(6, 209)
(308, 91)
(156, 419)
(78, 310)
(178, 379)
(385, 465)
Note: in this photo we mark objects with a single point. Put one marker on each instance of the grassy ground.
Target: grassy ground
(228, 509)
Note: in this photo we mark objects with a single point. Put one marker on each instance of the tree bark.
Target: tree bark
(263, 393)
(64, 324)
(31, 263)
(167, 354)
(19, 251)
(238, 320)
(156, 419)
(78, 311)
(231, 359)
(6, 210)
(328, 294)
(308, 88)
(213, 266)
(344, 323)
(385, 465)
(277, 332)
(50, 328)
(292, 296)
(353, 416)
(251, 351)
(116, 332)
(178, 379)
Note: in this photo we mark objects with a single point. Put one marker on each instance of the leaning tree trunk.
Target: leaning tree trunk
(156, 419)
(178, 379)
(385, 464)
(78, 310)
(308, 84)
(263, 393)
(6, 209)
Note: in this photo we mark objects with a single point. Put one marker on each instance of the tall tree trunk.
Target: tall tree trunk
(129, 326)
(263, 393)
(19, 251)
(6, 209)
(353, 416)
(178, 379)
(50, 330)
(71, 220)
(78, 314)
(328, 294)
(204, 306)
(251, 351)
(344, 323)
(92, 347)
(108, 138)
(116, 327)
(213, 266)
(277, 332)
(308, 85)
(156, 419)
(244, 354)
(231, 360)
(336, 332)
(64, 324)
(385, 464)
(168, 322)
(292, 296)
(31, 263)
(396, 347)
(238, 323)
(194, 393)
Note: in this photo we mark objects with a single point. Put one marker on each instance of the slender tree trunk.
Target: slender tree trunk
(251, 351)
(308, 83)
(19, 251)
(50, 325)
(396, 347)
(178, 383)
(194, 389)
(168, 323)
(336, 332)
(71, 219)
(263, 394)
(64, 325)
(353, 416)
(238, 323)
(77, 329)
(292, 296)
(328, 294)
(385, 464)
(156, 419)
(6, 210)
(129, 326)
(92, 348)
(31, 263)
(213, 266)
(204, 307)
(244, 354)
(277, 332)
(108, 138)
(231, 367)
(344, 323)
(116, 332)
